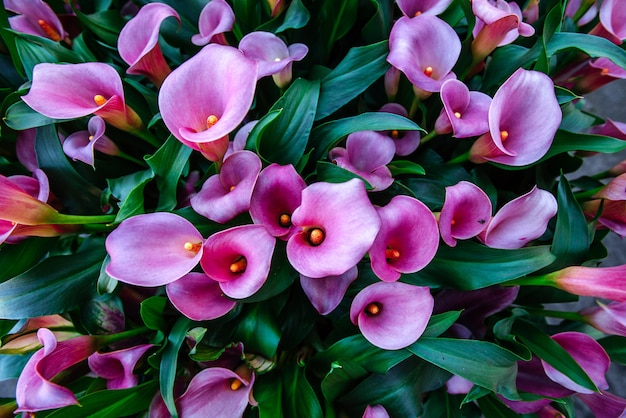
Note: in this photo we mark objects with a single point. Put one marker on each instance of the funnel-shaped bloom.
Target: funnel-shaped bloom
(227, 194)
(613, 215)
(406, 141)
(81, 145)
(117, 366)
(138, 43)
(424, 48)
(610, 127)
(523, 117)
(520, 221)
(465, 212)
(612, 24)
(277, 193)
(24, 339)
(35, 392)
(465, 113)
(610, 318)
(35, 17)
(240, 268)
(335, 226)
(215, 18)
(199, 297)
(68, 91)
(599, 282)
(367, 154)
(207, 97)
(325, 293)
(407, 240)
(589, 75)
(20, 203)
(272, 54)
(412, 8)
(392, 315)
(153, 249)
(604, 404)
(572, 8)
(376, 411)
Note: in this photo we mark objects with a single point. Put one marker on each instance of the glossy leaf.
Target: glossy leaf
(168, 164)
(439, 323)
(299, 398)
(129, 191)
(615, 346)
(565, 141)
(268, 393)
(106, 24)
(335, 20)
(342, 376)
(169, 362)
(19, 117)
(20, 257)
(332, 173)
(399, 167)
(258, 330)
(151, 311)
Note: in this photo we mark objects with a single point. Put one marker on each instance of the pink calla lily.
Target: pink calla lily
(215, 18)
(465, 113)
(465, 213)
(326, 293)
(376, 411)
(600, 282)
(612, 24)
(82, 145)
(21, 207)
(609, 318)
(117, 366)
(412, 8)
(35, 17)
(604, 404)
(199, 297)
(406, 141)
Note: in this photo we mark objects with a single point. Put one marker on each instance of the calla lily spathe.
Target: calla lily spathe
(326, 293)
(215, 18)
(35, 17)
(465, 113)
(406, 142)
(81, 145)
(609, 318)
(116, 367)
(465, 213)
(199, 297)
(412, 8)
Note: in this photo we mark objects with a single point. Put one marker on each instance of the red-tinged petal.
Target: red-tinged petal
(412, 8)
(199, 297)
(604, 404)
(326, 293)
(392, 315)
(215, 18)
(615, 190)
(610, 319)
(153, 249)
(117, 366)
(465, 213)
(30, 13)
(600, 282)
(20, 207)
(613, 18)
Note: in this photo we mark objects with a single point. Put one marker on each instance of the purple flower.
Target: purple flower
(465, 113)
(465, 212)
(153, 249)
(138, 43)
(277, 193)
(199, 297)
(610, 318)
(612, 24)
(376, 411)
(407, 240)
(413, 8)
(116, 367)
(392, 315)
(599, 282)
(325, 293)
(35, 17)
(612, 216)
(273, 55)
(335, 226)
(227, 194)
(215, 18)
(81, 145)
(574, 5)
(523, 118)
(589, 75)
(240, 268)
(604, 404)
(406, 141)
(20, 203)
(424, 48)
(520, 221)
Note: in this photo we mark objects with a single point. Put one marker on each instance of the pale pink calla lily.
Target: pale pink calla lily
(116, 367)
(335, 226)
(326, 293)
(612, 24)
(35, 17)
(227, 194)
(376, 411)
(153, 249)
(207, 97)
(609, 318)
(215, 18)
(69, 91)
(572, 8)
(392, 315)
(412, 8)
(465, 212)
(138, 43)
(520, 221)
(21, 207)
(523, 118)
(465, 113)
(82, 145)
(599, 282)
(589, 75)
(406, 141)
(407, 240)
(199, 297)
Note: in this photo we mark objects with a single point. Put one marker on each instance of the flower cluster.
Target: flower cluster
(268, 208)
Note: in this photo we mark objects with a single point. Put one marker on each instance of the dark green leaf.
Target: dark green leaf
(438, 324)
(19, 117)
(106, 24)
(106, 284)
(168, 164)
(129, 191)
(399, 167)
(615, 347)
(342, 377)
(151, 311)
(564, 95)
(169, 363)
(335, 20)
(258, 330)
(18, 258)
(299, 399)
(268, 393)
(257, 133)
(565, 141)
(332, 173)
(492, 407)
(296, 17)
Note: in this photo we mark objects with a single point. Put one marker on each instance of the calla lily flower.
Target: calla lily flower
(153, 249)
(406, 142)
(458, 385)
(215, 18)
(610, 318)
(610, 127)
(589, 75)
(367, 154)
(531, 11)
(392, 315)
(117, 366)
(572, 8)
(277, 193)
(81, 145)
(35, 392)
(227, 194)
(613, 215)
(465, 212)
(412, 8)
(273, 55)
(407, 240)
(604, 404)
(25, 340)
(240, 269)
(21, 207)
(600, 282)
(69, 91)
(376, 411)
(335, 226)
(523, 118)
(465, 113)
(612, 24)
(520, 221)
(138, 43)
(326, 293)
(35, 17)
(199, 297)
(424, 48)
(202, 118)
(25, 149)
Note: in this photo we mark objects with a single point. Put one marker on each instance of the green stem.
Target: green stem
(602, 175)
(543, 280)
(63, 219)
(148, 137)
(108, 339)
(573, 316)
(428, 137)
(460, 158)
(414, 106)
(130, 158)
(587, 194)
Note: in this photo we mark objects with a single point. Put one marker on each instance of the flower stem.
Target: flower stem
(460, 158)
(587, 193)
(428, 137)
(130, 158)
(63, 219)
(108, 339)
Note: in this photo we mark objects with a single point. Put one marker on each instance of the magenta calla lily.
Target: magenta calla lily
(523, 118)
(604, 404)
(407, 240)
(376, 411)
(277, 193)
(465, 213)
(69, 91)
(609, 318)
(326, 293)
(612, 24)
(412, 8)
(153, 249)
(520, 220)
(240, 268)
(392, 315)
(35, 17)
(138, 43)
(406, 141)
(116, 367)
(19, 206)
(199, 297)
(335, 226)
(202, 118)
(227, 194)
(424, 48)
(612, 214)
(601, 282)
(572, 8)
(215, 18)
(82, 145)
(465, 113)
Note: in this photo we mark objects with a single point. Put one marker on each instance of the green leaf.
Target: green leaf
(255, 135)
(355, 73)
(295, 17)
(565, 141)
(268, 393)
(564, 95)
(169, 363)
(106, 284)
(615, 347)
(471, 266)
(493, 407)
(20, 117)
(168, 164)
(335, 20)
(55, 285)
(151, 311)
(398, 167)
(18, 258)
(481, 362)
(258, 330)
(106, 24)
(299, 399)
(332, 173)
(439, 323)
(341, 378)
(594, 46)
(129, 190)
